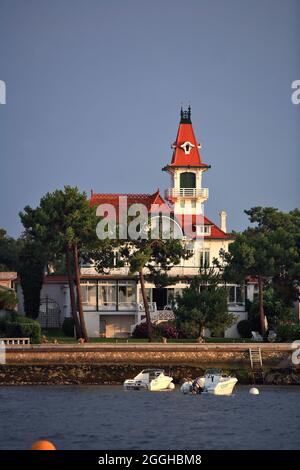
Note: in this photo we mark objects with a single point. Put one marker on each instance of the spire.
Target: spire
(186, 151)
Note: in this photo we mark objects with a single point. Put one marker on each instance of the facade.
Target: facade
(112, 302)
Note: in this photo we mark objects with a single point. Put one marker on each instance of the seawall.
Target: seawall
(113, 363)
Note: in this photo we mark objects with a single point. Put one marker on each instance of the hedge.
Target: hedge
(288, 332)
(19, 326)
(245, 328)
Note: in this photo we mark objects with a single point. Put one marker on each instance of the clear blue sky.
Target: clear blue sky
(94, 90)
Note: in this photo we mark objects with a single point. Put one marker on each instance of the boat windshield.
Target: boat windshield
(153, 372)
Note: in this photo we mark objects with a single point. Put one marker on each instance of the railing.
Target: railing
(20, 341)
(152, 307)
(163, 315)
(187, 192)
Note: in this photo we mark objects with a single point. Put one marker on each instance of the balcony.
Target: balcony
(186, 192)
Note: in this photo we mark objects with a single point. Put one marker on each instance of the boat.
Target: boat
(150, 379)
(214, 381)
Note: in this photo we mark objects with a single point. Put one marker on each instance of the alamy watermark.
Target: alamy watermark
(2, 92)
(295, 96)
(296, 353)
(140, 222)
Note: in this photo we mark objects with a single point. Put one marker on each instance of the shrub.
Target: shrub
(19, 326)
(187, 330)
(141, 330)
(166, 330)
(68, 327)
(245, 328)
(288, 332)
(2, 326)
(8, 299)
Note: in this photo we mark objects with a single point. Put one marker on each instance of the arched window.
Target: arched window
(188, 180)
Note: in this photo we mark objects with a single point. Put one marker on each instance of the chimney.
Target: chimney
(223, 221)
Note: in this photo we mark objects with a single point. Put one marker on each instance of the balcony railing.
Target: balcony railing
(152, 307)
(187, 192)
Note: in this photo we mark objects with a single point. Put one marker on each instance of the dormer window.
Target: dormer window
(203, 230)
(187, 147)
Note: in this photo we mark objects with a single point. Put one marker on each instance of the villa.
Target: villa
(112, 302)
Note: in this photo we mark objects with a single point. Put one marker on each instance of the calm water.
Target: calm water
(103, 417)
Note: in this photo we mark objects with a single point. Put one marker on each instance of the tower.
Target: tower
(186, 193)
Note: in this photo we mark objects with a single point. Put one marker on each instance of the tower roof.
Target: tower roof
(186, 148)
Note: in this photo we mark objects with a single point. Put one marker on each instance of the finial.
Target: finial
(185, 116)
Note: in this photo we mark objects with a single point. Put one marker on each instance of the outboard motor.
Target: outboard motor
(186, 387)
(198, 385)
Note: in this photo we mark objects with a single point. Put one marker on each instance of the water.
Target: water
(105, 417)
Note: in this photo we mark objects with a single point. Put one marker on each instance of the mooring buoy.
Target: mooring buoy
(254, 391)
(43, 445)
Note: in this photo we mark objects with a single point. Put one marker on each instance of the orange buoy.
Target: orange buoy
(42, 445)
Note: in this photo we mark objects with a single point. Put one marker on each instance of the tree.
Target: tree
(64, 223)
(150, 259)
(265, 251)
(203, 305)
(31, 269)
(8, 252)
(275, 308)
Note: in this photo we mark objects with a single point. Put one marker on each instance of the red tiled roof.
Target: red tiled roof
(179, 158)
(113, 199)
(194, 219)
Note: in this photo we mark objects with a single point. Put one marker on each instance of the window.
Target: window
(188, 180)
(107, 295)
(126, 295)
(89, 295)
(236, 294)
(182, 203)
(204, 259)
(193, 204)
(203, 229)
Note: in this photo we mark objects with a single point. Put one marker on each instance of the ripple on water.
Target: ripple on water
(98, 417)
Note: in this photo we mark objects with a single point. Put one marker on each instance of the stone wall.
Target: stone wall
(202, 356)
(100, 374)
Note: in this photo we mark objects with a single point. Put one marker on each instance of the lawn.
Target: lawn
(58, 335)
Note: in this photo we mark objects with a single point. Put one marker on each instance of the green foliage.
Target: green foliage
(202, 305)
(141, 330)
(288, 332)
(245, 328)
(63, 223)
(8, 299)
(8, 252)
(32, 260)
(166, 330)
(68, 327)
(62, 219)
(19, 326)
(275, 309)
(271, 248)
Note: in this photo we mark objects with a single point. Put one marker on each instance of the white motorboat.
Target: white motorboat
(150, 379)
(214, 381)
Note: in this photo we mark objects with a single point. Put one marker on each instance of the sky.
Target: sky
(94, 90)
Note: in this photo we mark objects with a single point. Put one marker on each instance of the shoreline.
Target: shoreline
(115, 374)
(111, 364)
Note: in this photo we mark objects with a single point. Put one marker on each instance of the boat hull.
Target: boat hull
(222, 388)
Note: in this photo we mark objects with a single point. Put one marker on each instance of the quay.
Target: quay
(109, 363)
